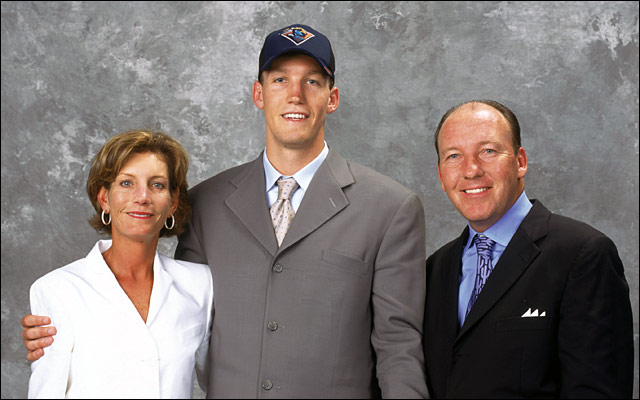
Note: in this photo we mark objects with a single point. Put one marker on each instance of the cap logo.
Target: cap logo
(297, 35)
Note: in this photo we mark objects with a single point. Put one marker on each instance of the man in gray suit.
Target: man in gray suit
(319, 280)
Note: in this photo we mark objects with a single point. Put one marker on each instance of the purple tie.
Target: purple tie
(484, 245)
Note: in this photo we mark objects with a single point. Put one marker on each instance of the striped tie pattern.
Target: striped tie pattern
(282, 211)
(484, 246)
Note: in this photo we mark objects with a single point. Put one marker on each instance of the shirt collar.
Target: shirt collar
(502, 231)
(302, 177)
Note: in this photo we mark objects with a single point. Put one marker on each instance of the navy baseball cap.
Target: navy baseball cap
(297, 38)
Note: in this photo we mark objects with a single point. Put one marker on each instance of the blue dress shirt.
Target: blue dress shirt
(303, 177)
(501, 232)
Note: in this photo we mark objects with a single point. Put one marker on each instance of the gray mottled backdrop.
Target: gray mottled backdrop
(76, 73)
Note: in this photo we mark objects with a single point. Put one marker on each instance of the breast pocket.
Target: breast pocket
(343, 262)
(523, 324)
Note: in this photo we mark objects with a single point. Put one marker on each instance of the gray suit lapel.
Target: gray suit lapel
(323, 200)
(518, 255)
(249, 203)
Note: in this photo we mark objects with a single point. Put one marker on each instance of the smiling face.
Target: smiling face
(479, 169)
(295, 97)
(139, 200)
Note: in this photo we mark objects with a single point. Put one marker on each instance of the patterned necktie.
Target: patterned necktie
(484, 245)
(282, 212)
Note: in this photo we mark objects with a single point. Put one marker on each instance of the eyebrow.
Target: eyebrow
(153, 177)
(483, 143)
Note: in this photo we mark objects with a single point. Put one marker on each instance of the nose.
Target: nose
(296, 94)
(142, 195)
(472, 168)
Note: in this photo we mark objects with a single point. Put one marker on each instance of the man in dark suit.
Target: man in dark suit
(525, 303)
(319, 278)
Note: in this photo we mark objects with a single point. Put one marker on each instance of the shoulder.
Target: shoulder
(564, 229)
(186, 272)
(374, 186)
(568, 241)
(220, 182)
(587, 242)
(379, 181)
(61, 279)
(580, 231)
(193, 280)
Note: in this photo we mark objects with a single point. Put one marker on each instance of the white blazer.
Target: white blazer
(103, 348)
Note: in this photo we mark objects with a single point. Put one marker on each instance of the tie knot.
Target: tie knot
(286, 186)
(483, 244)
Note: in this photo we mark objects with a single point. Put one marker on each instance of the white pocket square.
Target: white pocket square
(528, 313)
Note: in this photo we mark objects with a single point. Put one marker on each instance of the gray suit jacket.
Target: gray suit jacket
(337, 310)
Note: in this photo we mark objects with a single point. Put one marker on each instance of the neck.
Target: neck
(288, 161)
(131, 259)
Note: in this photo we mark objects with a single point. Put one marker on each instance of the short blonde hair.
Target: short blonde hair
(115, 154)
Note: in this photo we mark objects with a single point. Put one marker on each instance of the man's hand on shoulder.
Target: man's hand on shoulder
(36, 336)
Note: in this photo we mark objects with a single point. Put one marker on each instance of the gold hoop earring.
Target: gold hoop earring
(173, 222)
(106, 223)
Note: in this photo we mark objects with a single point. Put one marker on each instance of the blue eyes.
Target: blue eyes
(484, 154)
(488, 154)
(155, 185)
(309, 81)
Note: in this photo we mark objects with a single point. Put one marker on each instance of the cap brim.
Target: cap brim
(267, 63)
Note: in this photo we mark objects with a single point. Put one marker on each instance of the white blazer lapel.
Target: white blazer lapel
(106, 284)
(162, 281)
(103, 279)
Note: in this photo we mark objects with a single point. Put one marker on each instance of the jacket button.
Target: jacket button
(277, 268)
(266, 384)
(272, 325)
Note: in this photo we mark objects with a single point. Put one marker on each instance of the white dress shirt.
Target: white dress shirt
(302, 177)
(501, 233)
(104, 349)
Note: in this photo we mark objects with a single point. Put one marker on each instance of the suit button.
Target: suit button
(266, 384)
(277, 268)
(272, 325)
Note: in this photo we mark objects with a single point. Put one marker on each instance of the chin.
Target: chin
(475, 217)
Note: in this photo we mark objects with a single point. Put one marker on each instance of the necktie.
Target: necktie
(282, 212)
(484, 245)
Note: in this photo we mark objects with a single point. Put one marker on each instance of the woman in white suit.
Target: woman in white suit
(131, 323)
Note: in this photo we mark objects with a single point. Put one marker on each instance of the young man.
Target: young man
(525, 303)
(318, 280)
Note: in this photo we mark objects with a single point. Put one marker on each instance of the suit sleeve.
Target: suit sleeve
(595, 336)
(202, 359)
(50, 373)
(190, 248)
(398, 297)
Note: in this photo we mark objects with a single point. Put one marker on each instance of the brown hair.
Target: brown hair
(115, 154)
(514, 126)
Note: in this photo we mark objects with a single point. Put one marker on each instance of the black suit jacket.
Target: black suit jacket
(582, 347)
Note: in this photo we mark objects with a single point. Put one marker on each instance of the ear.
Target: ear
(522, 163)
(103, 199)
(440, 177)
(257, 95)
(334, 100)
